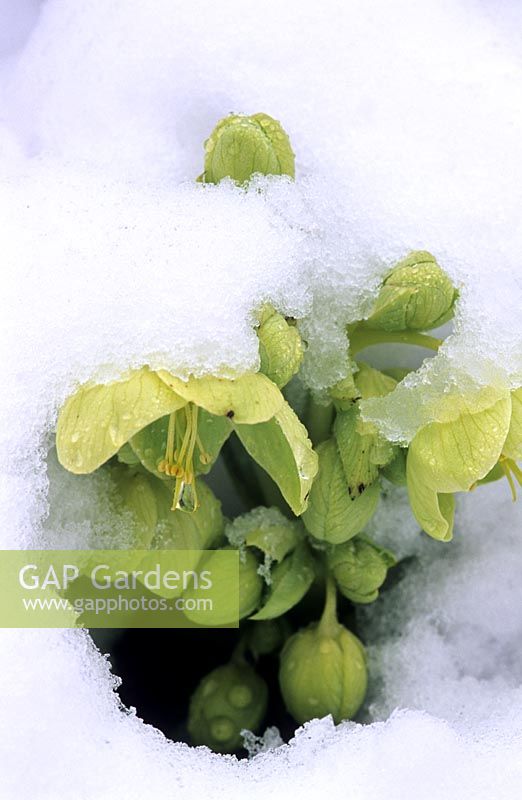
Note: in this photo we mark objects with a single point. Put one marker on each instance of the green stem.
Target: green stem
(361, 338)
(318, 420)
(329, 623)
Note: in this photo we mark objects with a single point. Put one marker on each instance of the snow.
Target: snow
(406, 120)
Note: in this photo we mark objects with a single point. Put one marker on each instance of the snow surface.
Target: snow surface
(406, 119)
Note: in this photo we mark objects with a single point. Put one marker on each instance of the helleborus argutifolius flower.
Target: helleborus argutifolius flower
(250, 589)
(290, 581)
(416, 295)
(138, 495)
(453, 453)
(360, 568)
(333, 514)
(100, 419)
(280, 347)
(241, 146)
(228, 700)
(344, 393)
(323, 671)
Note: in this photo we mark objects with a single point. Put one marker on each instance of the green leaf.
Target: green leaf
(282, 448)
(126, 455)
(248, 399)
(96, 421)
(395, 471)
(371, 382)
(276, 541)
(149, 444)
(333, 515)
(361, 453)
(291, 580)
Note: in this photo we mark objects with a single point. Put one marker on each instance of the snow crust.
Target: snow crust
(406, 119)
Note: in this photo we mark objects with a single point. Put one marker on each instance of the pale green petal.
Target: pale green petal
(282, 448)
(96, 421)
(513, 444)
(248, 399)
(433, 511)
(291, 580)
(332, 515)
(452, 456)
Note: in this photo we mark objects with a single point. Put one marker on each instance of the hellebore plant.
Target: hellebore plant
(155, 435)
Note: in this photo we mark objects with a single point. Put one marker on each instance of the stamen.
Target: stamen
(204, 457)
(183, 470)
(507, 466)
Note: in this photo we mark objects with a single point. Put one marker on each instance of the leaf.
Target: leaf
(96, 421)
(282, 448)
(149, 444)
(249, 399)
(276, 541)
(371, 382)
(291, 580)
(332, 515)
(361, 453)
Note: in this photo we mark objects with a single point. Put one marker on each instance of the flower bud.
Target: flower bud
(229, 699)
(416, 295)
(323, 672)
(266, 637)
(280, 348)
(240, 146)
(360, 568)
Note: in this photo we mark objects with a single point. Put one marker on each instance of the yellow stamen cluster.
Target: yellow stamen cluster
(179, 463)
(510, 470)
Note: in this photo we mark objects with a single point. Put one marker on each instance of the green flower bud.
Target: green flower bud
(228, 700)
(266, 637)
(360, 568)
(240, 146)
(280, 348)
(323, 671)
(416, 295)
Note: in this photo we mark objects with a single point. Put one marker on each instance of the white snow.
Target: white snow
(406, 119)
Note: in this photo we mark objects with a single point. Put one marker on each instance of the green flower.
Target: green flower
(453, 453)
(228, 700)
(360, 568)
(176, 428)
(240, 146)
(323, 670)
(416, 295)
(280, 347)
